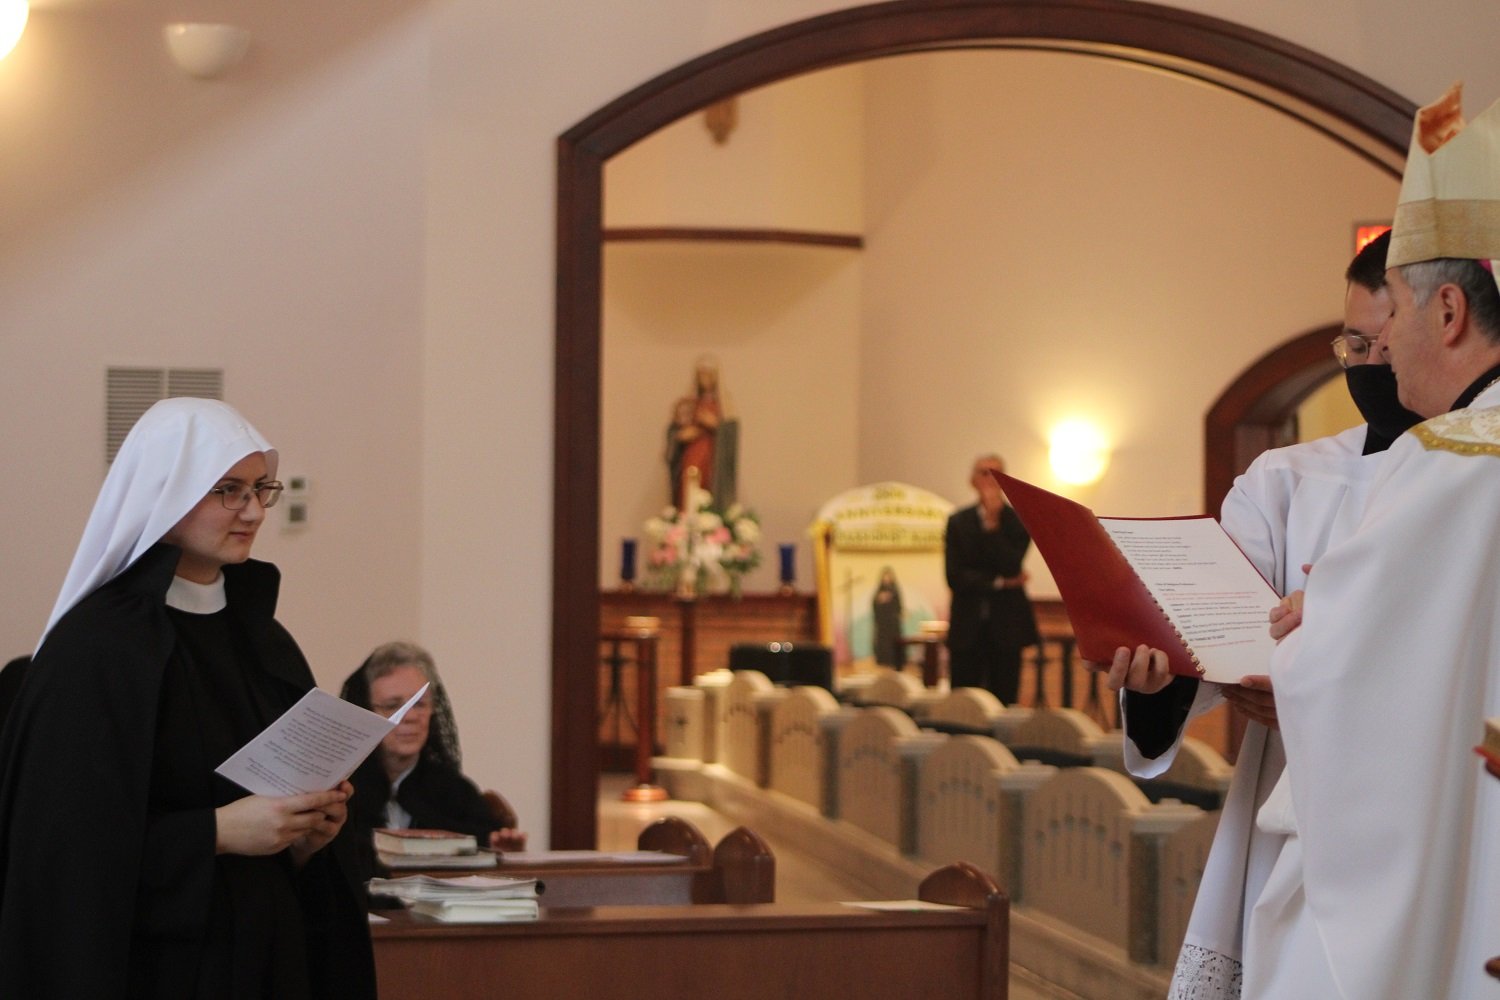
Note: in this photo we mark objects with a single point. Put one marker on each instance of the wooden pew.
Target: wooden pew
(728, 952)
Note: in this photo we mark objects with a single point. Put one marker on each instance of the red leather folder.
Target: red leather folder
(1107, 603)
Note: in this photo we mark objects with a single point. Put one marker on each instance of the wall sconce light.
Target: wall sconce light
(206, 50)
(1079, 453)
(13, 14)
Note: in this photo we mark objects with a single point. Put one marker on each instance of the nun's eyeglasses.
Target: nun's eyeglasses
(236, 496)
(1352, 348)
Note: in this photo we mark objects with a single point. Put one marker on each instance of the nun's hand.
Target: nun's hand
(323, 830)
(259, 825)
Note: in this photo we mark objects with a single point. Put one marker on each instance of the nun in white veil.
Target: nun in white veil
(127, 867)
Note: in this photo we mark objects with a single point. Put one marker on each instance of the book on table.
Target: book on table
(1178, 584)
(465, 898)
(427, 843)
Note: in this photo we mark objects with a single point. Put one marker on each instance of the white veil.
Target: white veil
(176, 452)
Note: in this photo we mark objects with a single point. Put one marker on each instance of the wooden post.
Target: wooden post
(687, 665)
(644, 630)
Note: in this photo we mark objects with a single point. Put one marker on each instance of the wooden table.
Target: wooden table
(739, 869)
(729, 952)
(713, 623)
(749, 952)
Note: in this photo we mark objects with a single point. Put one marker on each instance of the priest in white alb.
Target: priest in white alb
(1283, 512)
(1388, 886)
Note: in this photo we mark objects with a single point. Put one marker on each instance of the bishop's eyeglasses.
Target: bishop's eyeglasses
(1352, 348)
(236, 496)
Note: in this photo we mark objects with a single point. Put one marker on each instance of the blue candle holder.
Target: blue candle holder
(788, 553)
(627, 562)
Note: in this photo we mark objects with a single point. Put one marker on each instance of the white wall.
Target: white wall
(270, 226)
(1328, 410)
(782, 320)
(377, 185)
(795, 160)
(1055, 237)
(1048, 237)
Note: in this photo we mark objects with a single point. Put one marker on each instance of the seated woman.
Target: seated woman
(412, 780)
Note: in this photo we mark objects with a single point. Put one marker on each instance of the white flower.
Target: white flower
(698, 539)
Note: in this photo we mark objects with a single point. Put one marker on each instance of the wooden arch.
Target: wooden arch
(1254, 413)
(1344, 105)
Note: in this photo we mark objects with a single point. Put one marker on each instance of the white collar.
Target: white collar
(197, 598)
(396, 782)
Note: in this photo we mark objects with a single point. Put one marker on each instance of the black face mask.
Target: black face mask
(1373, 388)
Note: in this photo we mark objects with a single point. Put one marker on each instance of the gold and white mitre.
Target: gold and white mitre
(1450, 194)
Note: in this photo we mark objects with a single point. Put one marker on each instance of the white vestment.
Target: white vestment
(1282, 512)
(1393, 889)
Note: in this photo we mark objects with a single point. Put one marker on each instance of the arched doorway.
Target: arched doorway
(1347, 107)
(1252, 413)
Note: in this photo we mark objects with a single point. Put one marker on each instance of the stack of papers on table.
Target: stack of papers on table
(470, 898)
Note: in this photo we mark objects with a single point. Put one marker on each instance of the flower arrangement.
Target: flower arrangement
(689, 548)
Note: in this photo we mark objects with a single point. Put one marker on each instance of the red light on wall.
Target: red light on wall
(1363, 234)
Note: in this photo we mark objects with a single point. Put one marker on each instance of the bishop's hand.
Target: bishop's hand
(1253, 696)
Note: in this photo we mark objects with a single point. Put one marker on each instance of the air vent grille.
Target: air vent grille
(129, 392)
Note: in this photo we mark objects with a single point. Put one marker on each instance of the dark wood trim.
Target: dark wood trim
(1313, 87)
(904, 26)
(700, 234)
(575, 504)
(1250, 415)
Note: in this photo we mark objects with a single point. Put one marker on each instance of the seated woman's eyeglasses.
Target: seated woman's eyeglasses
(388, 708)
(1352, 349)
(236, 496)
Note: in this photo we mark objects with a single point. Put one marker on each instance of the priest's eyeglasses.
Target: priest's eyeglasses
(236, 496)
(1352, 349)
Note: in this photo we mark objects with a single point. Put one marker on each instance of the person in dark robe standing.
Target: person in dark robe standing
(127, 867)
(885, 609)
(990, 619)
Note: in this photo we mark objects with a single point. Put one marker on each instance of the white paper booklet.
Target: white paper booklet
(1209, 591)
(316, 744)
